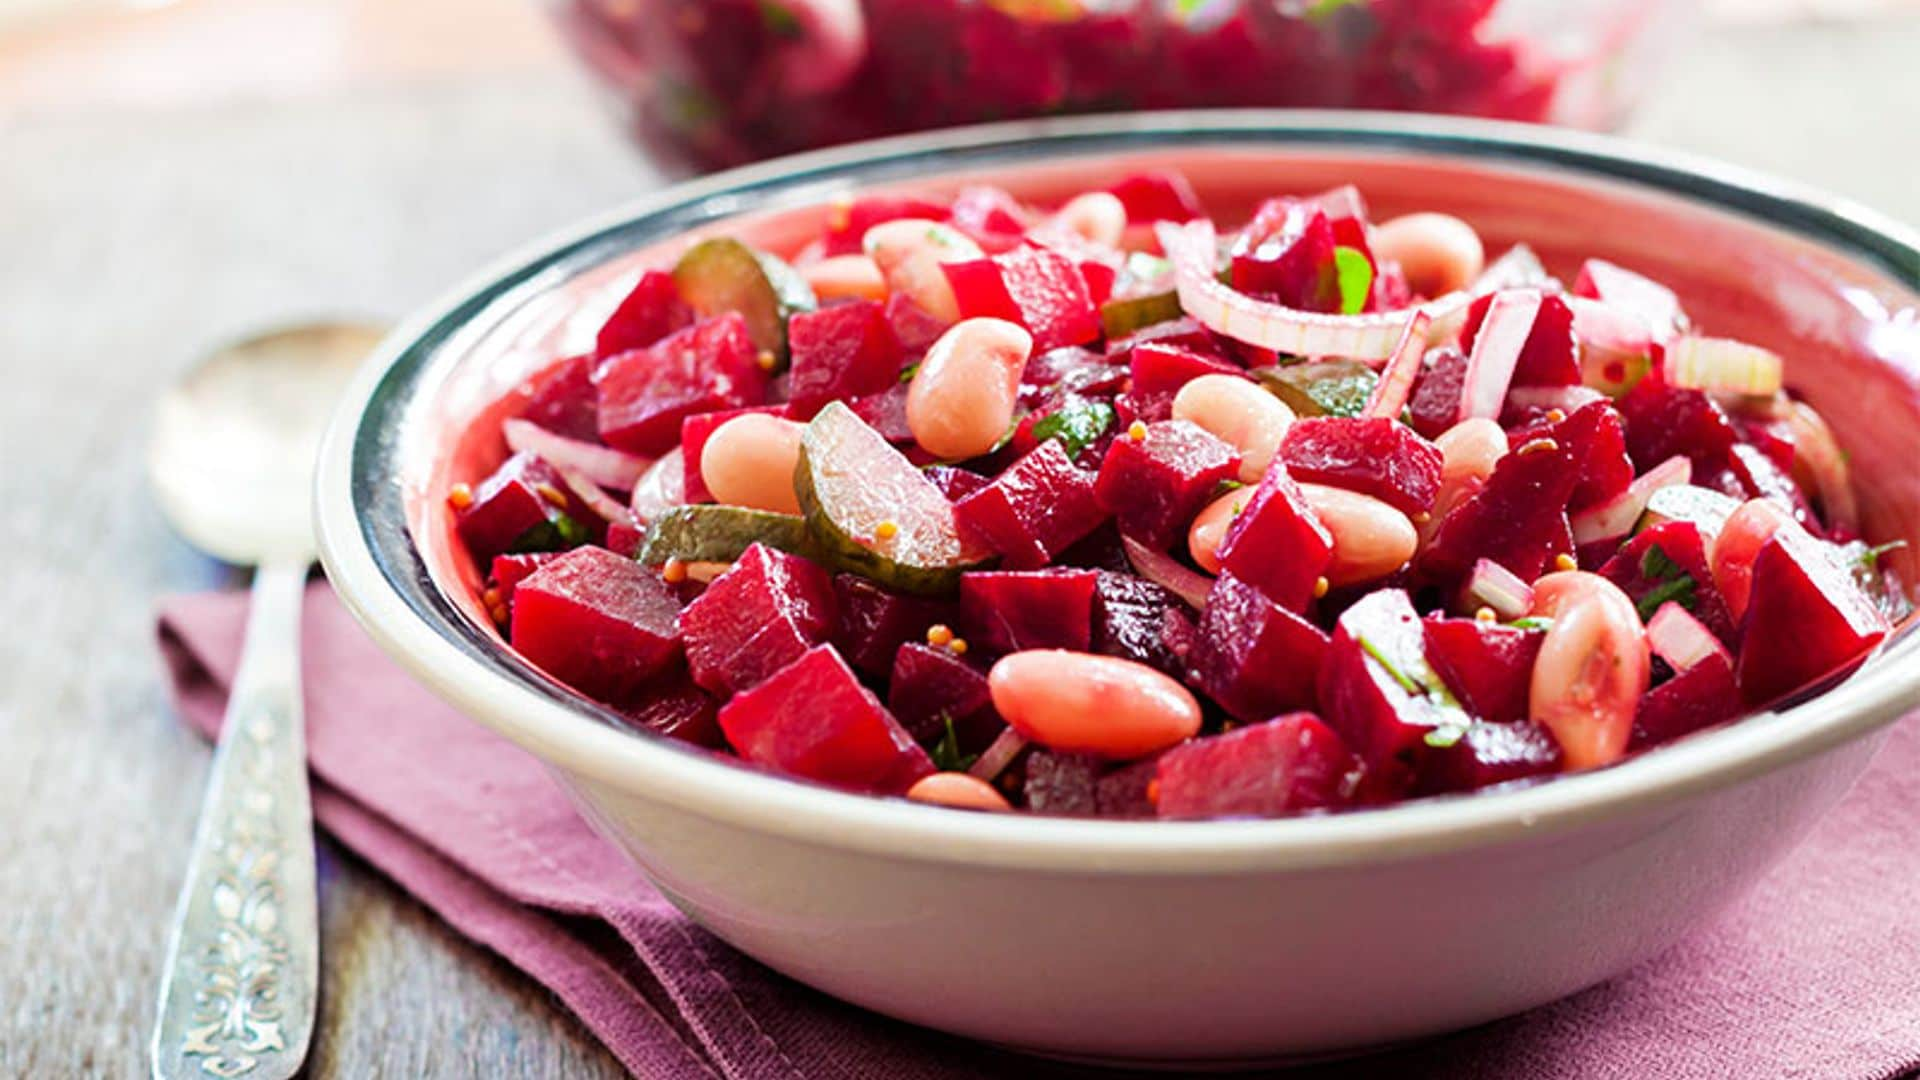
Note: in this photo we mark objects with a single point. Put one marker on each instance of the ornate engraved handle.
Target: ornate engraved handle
(237, 996)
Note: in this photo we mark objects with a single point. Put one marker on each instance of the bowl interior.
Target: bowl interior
(1832, 290)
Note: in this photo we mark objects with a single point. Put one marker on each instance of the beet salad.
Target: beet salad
(1110, 508)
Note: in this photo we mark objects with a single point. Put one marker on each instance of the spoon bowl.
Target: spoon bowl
(234, 440)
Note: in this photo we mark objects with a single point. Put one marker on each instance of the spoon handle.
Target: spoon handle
(237, 995)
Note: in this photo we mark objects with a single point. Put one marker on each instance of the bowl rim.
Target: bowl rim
(365, 547)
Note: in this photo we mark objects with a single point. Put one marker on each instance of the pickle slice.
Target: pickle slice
(722, 274)
(873, 513)
(709, 533)
(1326, 388)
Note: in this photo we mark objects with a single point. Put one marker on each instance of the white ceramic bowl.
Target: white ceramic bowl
(1155, 942)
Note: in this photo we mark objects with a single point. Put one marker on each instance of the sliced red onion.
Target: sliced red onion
(1654, 305)
(610, 509)
(1519, 268)
(998, 755)
(1680, 639)
(1371, 337)
(1165, 571)
(1567, 399)
(660, 488)
(1340, 203)
(1818, 454)
(1494, 586)
(1496, 352)
(603, 465)
(1722, 364)
(1616, 516)
(1396, 379)
(1616, 347)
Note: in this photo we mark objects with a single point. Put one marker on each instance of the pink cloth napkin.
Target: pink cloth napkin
(1815, 974)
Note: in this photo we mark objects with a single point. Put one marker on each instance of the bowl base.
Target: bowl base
(1213, 1065)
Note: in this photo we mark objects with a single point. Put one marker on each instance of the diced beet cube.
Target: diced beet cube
(1157, 196)
(1293, 262)
(508, 571)
(812, 719)
(1137, 620)
(1063, 784)
(1550, 356)
(597, 622)
(990, 215)
(847, 225)
(562, 399)
(1806, 618)
(1124, 792)
(1252, 656)
(1664, 421)
(1041, 288)
(886, 413)
(1489, 754)
(1155, 485)
(1699, 697)
(1762, 478)
(1378, 691)
(1035, 510)
(913, 326)
(1371, 455)
(1276, 544)
(650, 312)
(1283, 766)
(756, 618)
(645, 393)
(1672, 559)
(694, 433)
(677, 709)
(874, 622)
(1007, 611)
(930, 686)
(979, 291)
(524, 506)
(954, 482)
(625, 537)
(842, 351)
(1519, 517)
(1601, 448)
(1435, 404)
(1488, 666)
(1159, 371)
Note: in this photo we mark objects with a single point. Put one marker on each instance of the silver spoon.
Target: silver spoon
(231, 464)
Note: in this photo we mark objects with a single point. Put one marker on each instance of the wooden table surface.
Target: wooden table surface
(133, 236)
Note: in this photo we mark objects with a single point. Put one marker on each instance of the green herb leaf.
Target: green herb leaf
(1077, 424)
(1354, 272)
(1657, 565)
(1679, 590)
(1532, 622)
(1324, 9)
(907, 373)
(946, 753)
(1870, 557)
(1393, 671)
(1445, 735)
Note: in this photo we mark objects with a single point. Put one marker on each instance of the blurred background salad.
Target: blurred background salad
(706, 83)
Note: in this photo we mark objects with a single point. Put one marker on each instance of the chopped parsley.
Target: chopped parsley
(1077, 424)
(1671, 583)
(946, 753)
(907, 373)
(1422, 682)
(1354, 272)
(1532, 622)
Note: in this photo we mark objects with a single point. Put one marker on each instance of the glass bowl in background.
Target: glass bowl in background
(707, 83)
